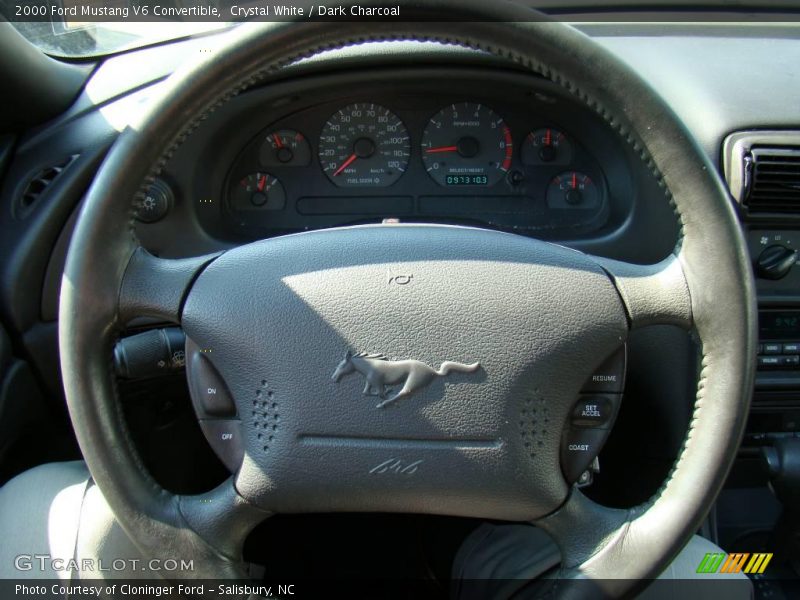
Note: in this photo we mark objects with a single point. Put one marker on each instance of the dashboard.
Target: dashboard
(485, 147)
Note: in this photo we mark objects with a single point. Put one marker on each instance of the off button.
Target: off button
(225, 438)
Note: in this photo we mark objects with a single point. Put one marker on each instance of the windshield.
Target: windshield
(81, 39)
(86, 28)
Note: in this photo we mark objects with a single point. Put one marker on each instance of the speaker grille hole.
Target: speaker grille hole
(534, 420)
(265, 415)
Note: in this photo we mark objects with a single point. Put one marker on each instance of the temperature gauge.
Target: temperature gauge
(572, 190)
(546, 146)
(258, 191)
(285, 148)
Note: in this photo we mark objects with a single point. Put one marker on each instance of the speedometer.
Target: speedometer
(467, 144)
(364, 145)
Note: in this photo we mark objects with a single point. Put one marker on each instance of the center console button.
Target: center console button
(610, 376)
(790, 361)
(773, 348)
(769, 361)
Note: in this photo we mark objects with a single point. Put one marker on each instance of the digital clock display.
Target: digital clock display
(466, 180)
(776, 325)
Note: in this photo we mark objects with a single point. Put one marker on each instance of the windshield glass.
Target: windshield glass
(85, 28)
(81, 39)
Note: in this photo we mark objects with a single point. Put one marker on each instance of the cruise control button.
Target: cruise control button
(593, 411)
(610, 376)
(580, 447)
(225, 437)
(210, 392)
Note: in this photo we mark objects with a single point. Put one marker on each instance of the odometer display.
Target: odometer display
(467, 144)
(364, 145)
(466, 180)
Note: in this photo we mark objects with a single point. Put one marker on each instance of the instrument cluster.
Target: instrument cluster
(507, 158)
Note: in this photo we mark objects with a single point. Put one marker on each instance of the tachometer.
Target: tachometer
(364, 145)
(467, 144)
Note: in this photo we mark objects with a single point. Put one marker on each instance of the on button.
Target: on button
(210, 392)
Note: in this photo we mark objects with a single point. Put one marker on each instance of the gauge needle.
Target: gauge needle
(441, 149)
(262, 182)
(574, 180)
(277, 139)
(345, 164)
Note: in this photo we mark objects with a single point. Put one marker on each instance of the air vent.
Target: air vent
(775, 180)
(763, 171)
(38, 183)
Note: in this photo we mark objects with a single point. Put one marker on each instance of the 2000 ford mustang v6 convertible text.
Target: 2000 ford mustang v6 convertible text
(467, 301)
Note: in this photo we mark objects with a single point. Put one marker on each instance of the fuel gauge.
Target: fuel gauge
(258, 191)
(572, 190)
(546, 146)
(285, 148)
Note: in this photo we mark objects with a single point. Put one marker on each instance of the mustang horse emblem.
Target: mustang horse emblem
(381, 372)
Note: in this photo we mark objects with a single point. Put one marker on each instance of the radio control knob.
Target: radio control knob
(775, 261)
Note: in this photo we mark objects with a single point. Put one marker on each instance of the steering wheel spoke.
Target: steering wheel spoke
(156, 287)
(652, 294)
(221, 517)
(582, 528)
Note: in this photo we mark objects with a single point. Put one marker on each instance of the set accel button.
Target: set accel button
(593, 411)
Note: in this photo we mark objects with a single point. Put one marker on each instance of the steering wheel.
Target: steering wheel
(517, 324)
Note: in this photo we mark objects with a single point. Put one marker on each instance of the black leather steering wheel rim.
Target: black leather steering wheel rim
(706, 285)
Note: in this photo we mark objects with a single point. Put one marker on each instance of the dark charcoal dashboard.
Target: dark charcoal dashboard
(489, 148)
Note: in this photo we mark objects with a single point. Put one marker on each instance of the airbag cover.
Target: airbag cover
(278, 317)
